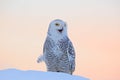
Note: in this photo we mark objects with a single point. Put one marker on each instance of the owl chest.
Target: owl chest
(57, 50)
(60, 48)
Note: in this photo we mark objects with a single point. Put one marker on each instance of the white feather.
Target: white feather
(40, 59)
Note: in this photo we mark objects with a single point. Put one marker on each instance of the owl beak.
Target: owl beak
(60, 30)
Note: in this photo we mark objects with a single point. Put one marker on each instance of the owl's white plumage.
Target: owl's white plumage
(58, 51)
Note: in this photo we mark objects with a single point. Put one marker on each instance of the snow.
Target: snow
(14, 74)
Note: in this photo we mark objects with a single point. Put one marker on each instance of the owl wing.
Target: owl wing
(71, 56)
(48, 45)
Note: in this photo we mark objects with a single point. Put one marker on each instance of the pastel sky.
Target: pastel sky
(93, 27)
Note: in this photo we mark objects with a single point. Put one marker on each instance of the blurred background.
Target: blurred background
(93, 27)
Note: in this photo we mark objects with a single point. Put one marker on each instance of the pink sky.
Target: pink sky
(93, 27)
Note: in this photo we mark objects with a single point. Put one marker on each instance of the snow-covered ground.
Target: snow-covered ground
(14, 74)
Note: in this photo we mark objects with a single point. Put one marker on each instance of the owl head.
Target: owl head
(57, 28)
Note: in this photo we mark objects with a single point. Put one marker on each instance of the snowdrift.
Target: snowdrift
(14, 74)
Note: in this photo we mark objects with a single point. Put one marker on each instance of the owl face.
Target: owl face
(57, 27)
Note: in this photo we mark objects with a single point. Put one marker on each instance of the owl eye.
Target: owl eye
(57, 24)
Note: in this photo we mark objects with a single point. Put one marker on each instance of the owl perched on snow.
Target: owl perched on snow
(58, 51)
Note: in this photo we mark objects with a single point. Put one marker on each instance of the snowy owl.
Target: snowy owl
(58, 51)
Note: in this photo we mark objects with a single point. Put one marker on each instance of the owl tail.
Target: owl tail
(40, 59)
